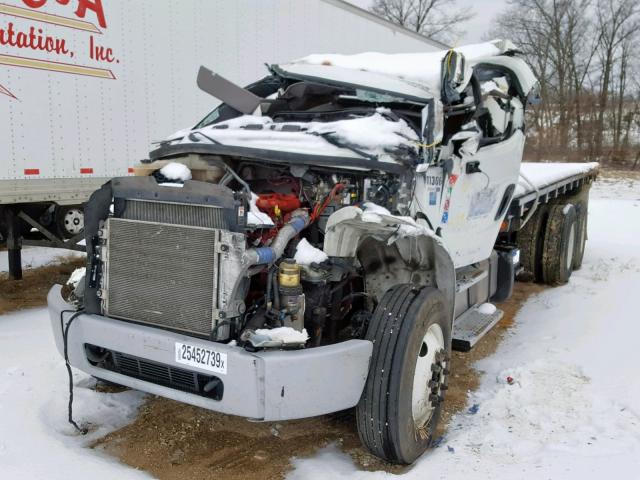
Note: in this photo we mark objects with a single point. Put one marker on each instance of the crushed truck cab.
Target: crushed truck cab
(321, 240)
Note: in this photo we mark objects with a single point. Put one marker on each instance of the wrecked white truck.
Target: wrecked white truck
(322, 239)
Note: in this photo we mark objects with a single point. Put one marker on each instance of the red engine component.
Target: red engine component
(277, 205)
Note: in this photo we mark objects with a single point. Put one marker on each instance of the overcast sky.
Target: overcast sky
(486, 10)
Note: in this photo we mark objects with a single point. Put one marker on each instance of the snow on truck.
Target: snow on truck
(323, 239)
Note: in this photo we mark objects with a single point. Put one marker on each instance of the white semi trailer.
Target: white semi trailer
(86, 86)
(323, 239)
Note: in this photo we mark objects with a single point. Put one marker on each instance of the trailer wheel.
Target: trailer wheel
(69, 220)
(402, 399)
(530, 242)
(559, 244)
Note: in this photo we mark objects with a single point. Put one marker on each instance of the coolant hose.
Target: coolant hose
(257, 256)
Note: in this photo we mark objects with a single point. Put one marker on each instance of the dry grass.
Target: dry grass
(31, 291)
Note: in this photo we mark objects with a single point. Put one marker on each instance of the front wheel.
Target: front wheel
(402, 400)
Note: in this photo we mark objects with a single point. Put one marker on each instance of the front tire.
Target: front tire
(402, 399)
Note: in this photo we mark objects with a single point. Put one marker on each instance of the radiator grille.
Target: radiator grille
(164, 275)
(160, 374)
(206, 216)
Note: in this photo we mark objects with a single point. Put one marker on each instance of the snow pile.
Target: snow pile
(374, 134)
(256, 217)
(286, 335)
(176, 172)
(487, 309)
(77, 275)
(306, 254)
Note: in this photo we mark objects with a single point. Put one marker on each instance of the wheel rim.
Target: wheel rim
(570, 247)
(74, 221)
(429, 376)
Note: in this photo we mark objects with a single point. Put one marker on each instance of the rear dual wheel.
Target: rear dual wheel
(581, 203)
(552, 242)
(559, 244)
(403, 395)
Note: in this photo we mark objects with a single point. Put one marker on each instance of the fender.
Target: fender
(391, 249)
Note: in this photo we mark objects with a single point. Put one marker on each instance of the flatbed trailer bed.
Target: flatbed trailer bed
(541, 182)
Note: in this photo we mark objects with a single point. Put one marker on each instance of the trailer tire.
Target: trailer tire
(69, 220)
(531, 242)
(411, 337)
(559, 244)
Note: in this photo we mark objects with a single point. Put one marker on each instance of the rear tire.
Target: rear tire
(530, 242)
(559, 244)
(581, 204)
(402, 399)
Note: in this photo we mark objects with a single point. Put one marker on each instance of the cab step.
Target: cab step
(471, 326)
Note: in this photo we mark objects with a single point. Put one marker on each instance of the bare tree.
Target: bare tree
(582, 53)
(617, 22)
(438, 19)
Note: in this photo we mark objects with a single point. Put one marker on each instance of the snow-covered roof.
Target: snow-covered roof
(381, 82)
(409, 71)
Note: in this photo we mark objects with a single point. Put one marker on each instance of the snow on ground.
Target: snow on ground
(36, 442)
(573, 408)
(571, 412)
(33, 257)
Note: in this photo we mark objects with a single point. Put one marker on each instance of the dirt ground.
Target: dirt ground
(174, 441)
(31, 291)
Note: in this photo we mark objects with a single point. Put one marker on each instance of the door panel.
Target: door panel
(464, 205)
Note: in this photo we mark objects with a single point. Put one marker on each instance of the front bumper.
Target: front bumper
(265, 385)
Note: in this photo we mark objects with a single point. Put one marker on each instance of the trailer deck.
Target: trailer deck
(541, 182)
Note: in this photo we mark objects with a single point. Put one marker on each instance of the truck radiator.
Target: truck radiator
(161, 274)
(206, 216)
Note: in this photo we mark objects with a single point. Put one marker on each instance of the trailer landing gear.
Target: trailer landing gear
(14, 246)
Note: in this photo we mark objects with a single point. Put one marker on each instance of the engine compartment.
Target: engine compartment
(251, 233)
(301, 289)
